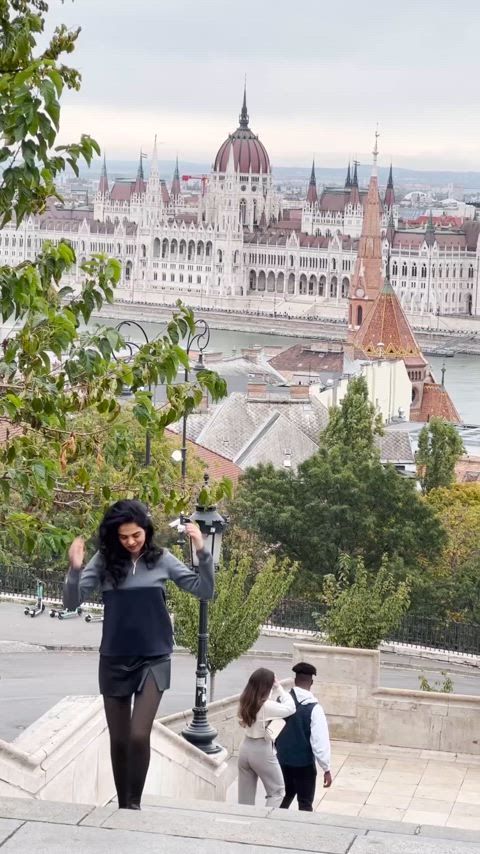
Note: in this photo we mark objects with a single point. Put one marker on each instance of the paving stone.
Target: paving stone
(29, 809)
(197, 805)
(435, 832)
(361, 825)
(43, 838)
(388, 843)
(7, 827)
(235, 829)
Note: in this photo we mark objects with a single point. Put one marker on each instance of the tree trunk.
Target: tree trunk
(213, 674)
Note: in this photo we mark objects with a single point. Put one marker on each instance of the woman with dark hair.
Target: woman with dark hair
(257, 757)
(137, 639)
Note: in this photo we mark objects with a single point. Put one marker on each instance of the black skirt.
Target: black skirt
(122, 676)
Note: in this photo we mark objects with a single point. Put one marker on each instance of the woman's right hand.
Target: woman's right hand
(276, 684)
(76, 553)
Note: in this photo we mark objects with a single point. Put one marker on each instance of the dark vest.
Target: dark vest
(293, 743)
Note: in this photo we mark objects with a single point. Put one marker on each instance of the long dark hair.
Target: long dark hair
(116, 559)
(254, 694)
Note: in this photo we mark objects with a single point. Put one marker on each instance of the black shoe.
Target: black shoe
(134, 807)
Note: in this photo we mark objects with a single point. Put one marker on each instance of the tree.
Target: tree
(341, 501)
(363, 608)
(51, 373)
(247, 592)
(439, 449)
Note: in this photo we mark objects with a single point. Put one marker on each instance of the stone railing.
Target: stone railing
(359, 709)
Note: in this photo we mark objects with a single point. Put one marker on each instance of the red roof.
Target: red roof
(436, 402)
(386, 324)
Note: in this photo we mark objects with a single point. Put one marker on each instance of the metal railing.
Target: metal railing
(416, 630)
(23, 582)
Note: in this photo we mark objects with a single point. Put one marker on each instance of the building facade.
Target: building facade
(234, 238)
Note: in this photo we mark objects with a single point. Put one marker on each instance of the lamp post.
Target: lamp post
(212, 525)
(131, 345)
(199, 731)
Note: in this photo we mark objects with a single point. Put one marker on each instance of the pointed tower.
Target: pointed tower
(390, 233)
(175, 190)
(139, 186)
(389, 192)
(312, 197)
(244, 117)
(354, 198)
(348, 179)
(367, 279)
(103, 183)
(430, 231)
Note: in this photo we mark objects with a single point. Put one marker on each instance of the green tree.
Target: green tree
(439, 449)
(247, 591)
(341, 501)
(52, 373)
(363, 608)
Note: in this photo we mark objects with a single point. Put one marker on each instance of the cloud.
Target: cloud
(319, 77)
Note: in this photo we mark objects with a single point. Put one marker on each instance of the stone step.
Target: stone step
(202, 827)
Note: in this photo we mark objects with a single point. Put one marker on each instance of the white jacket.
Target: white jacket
(271, 710)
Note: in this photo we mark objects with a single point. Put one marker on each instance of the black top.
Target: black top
(293, 744)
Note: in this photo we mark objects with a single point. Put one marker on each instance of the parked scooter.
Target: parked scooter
(39, 606)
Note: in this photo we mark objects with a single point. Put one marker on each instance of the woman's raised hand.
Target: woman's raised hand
(195, 535)
(276, 684)
(76, 553)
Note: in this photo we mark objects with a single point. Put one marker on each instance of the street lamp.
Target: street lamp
(199, 731)
(133, 345)
(212, 525)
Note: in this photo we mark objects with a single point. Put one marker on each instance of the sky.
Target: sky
(320, 76)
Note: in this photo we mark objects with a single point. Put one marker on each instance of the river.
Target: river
(462, 376)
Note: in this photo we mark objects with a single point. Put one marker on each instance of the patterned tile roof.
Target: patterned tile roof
(436, 402)
(387, 325)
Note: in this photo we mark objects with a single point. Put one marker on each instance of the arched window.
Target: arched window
(394, 269)
(191, 250)
(404, 269)
(322, 284)
(333, 286)
(252, 280)
(173, 248)
(164, 248)
(156, 248)
(280, 283)
(424, 271)
(143, 250)
(291, 284)
(414, 270)
(243, 211)
(128, 271)
(303, 284)
(208, 249)
(359, 315)
(345, 287)
(200, 249)
(290, 261)
(470, 271)
(219, 256)
(271, 282)
(312, 285)
(261, 281)
(334, 264)
(182, 248)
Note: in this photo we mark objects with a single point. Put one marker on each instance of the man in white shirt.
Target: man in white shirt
(303, 741)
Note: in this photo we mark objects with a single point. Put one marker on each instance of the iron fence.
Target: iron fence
(23, 582)
(417, 630)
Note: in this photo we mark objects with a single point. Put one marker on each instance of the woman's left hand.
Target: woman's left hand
(195, 535)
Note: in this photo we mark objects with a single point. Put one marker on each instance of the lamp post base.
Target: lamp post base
(201, 734)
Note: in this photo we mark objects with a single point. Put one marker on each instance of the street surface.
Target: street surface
(32, 678)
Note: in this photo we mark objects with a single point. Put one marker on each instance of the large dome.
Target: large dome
(248, 151)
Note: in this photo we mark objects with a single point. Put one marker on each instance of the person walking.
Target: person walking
(137, 638)
(257, 757)
(303, 740)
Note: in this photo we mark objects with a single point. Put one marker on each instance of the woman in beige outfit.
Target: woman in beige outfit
(263, 700)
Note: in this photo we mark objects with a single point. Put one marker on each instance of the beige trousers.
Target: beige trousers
(258, 759)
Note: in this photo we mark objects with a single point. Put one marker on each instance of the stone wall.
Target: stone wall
(358, 709)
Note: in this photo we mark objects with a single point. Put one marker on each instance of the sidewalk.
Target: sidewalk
(200, 827)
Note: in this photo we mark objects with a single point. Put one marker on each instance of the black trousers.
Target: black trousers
(300, 782)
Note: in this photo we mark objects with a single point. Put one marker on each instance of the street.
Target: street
(32, 678)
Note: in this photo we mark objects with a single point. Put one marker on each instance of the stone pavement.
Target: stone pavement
(200, 827)
(404, 785)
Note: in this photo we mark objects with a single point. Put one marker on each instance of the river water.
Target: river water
(462, 375)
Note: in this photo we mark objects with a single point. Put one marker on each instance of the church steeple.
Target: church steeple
(139, 187)
(103, 184)
(354, 194)
(390, 192)
(430, 231)
(312, 196)
(348, 179)
(244, 117)
(175, 190)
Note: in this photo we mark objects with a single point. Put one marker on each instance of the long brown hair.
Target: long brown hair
(254, 694)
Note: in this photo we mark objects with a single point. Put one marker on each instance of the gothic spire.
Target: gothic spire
(139, 187)
(103, 185)
(175, 190)
(389, 192)
(312, 197)
(348, 180)
(244, 112)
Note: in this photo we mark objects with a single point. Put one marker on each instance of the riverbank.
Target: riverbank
(462, 335)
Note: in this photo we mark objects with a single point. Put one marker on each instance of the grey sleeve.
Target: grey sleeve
(202, 583)
(79, 586)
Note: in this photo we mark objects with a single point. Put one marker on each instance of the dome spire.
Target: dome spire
(244, 111)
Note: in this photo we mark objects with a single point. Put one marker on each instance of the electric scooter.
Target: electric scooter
(39, 606)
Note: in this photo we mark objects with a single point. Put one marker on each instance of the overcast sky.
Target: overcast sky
(320, 75)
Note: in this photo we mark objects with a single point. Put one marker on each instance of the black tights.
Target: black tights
(130, 740)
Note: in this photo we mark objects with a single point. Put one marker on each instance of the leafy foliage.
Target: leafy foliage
(53, 375)
(363, 608)
(341, 501)
(439, 449)
(247, 591)
(444, 687)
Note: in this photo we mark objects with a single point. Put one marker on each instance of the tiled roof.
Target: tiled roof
(217, 465)
(302, 357)
(277, 440)
(386, 324)
(436, 402)
(395, 447)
